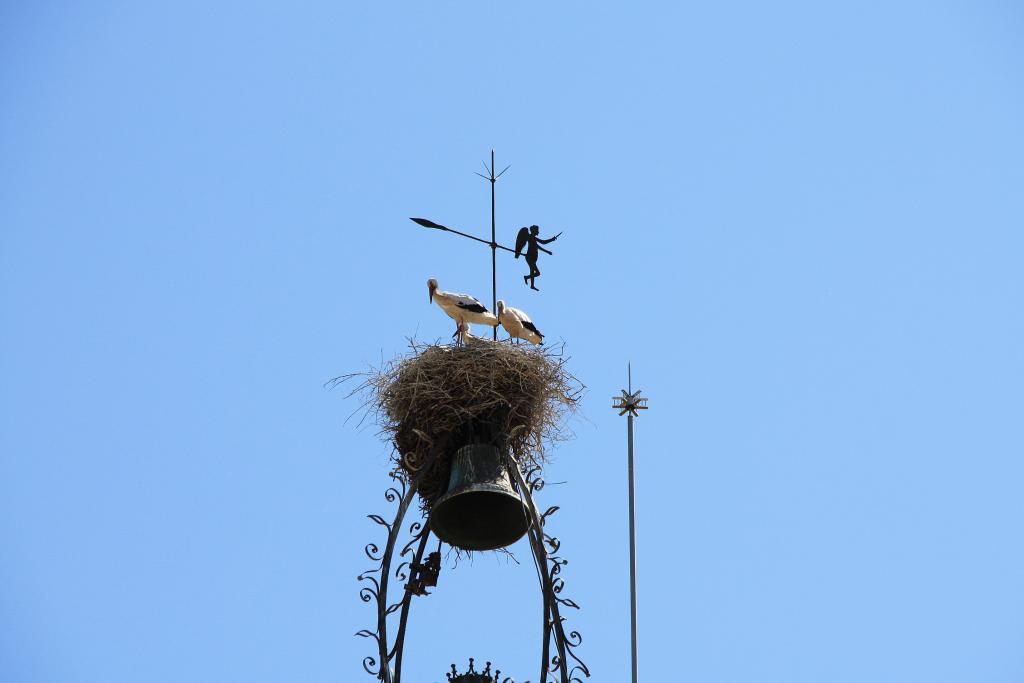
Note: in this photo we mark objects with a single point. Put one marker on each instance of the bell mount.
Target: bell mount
(561, 666)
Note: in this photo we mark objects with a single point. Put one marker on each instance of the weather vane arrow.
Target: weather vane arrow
(437, 226)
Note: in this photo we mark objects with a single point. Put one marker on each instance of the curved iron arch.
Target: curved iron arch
(544, 547)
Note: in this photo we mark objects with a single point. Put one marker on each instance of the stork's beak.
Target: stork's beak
(431, 295)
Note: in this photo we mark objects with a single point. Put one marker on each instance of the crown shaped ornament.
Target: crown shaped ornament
(473, 676)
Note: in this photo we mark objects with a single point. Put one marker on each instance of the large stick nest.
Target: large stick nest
(436, 399)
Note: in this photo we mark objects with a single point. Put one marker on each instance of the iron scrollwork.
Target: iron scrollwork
(418, 575)
(377, 580)
(545, 550)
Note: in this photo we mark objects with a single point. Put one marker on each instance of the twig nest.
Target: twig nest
(437, 399)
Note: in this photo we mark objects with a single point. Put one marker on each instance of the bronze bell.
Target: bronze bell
(480, 510)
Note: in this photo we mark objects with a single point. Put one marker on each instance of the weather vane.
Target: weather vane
(528, 241)
(474, 464)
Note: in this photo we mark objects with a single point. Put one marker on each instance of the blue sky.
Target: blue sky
(800, 221)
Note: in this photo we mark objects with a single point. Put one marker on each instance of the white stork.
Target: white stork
(462, 308)
(518, 324)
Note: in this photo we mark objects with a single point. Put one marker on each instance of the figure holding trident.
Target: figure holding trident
(529, 239)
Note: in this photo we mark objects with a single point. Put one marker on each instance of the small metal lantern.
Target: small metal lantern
(424, 575)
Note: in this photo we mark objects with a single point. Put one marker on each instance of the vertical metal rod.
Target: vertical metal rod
(399, 647)
(629, 404)
(494, 252)
(632, 544)
(552, 616)
(386, 674)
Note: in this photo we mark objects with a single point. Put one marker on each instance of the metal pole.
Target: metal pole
(630, 403)
(494, 252)
(632, 546)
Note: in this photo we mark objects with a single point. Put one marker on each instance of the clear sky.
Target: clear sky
(802, 222)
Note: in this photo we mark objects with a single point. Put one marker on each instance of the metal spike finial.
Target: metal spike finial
(630, 401)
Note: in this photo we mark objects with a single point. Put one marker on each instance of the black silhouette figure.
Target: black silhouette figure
(528, 238)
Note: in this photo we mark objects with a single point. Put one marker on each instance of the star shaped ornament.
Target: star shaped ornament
(629, 403)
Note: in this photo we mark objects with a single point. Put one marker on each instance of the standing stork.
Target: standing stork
(518, 324)
(462, 308)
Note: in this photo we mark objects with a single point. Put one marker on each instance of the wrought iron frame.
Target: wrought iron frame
(544, 547)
